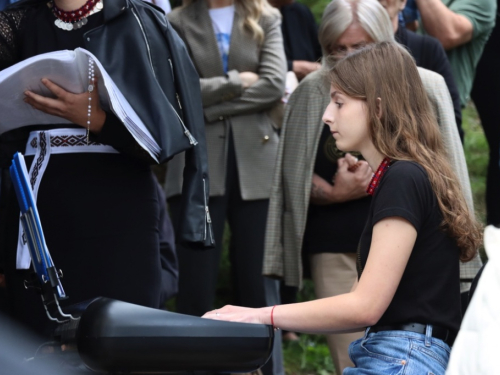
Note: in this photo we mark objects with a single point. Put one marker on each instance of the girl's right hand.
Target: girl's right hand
(240, 314)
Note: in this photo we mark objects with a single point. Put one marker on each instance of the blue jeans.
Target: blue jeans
(398, 353)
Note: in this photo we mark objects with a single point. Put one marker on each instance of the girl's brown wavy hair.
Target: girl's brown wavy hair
(407, 128)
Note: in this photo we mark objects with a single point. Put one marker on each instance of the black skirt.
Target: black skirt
(100, 215)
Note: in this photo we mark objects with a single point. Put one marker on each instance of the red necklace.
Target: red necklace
(74, 19)
(377, 176)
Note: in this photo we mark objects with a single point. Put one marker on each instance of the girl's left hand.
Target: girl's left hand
(240, 314)
(72, 107)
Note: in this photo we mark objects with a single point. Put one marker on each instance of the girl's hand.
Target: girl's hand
(72, 107)
(241, 314)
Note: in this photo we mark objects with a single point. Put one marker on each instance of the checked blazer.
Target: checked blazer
(229, 108)
(290, 192)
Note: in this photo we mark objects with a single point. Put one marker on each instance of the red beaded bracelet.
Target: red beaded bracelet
(272, 318)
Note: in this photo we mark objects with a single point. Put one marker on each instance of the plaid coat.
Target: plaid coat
(227, 107)
(300, 135)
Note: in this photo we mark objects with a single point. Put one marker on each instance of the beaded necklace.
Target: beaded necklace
(377, 176)
(74, 19)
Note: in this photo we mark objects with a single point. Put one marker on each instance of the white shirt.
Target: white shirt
(222, 22)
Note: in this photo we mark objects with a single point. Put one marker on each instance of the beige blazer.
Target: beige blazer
(300, 135)
(227, 106)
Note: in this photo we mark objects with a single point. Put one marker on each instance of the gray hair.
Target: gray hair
(340, 14)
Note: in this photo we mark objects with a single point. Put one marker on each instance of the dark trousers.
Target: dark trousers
(198, 270)
(486, 96)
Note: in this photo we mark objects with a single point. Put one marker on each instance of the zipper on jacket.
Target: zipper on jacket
(178, 100)
(171, 69)
(208, 219)
(188, 134)
(145, 40)
(192, 140)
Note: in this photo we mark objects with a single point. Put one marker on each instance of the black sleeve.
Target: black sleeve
(404, 191)
(168, 254)
(435, 59)
(300, 34)
(10, 22)
(313, 32)
(115, 134)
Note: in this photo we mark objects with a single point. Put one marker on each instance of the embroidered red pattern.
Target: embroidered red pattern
(377, 176)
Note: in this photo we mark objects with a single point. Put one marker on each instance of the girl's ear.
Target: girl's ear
(379, 108)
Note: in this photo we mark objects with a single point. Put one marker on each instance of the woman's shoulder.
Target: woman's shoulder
(12, 18)
(406, 172)
(270, 18)
(11, 22)
(313, 83)
(175, 15)
(407, 167)
(186, 13)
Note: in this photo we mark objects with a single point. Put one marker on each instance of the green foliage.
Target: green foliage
(476, 155)
(309, 355)
(317, 7)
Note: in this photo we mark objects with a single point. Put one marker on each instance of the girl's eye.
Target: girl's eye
(339, 105)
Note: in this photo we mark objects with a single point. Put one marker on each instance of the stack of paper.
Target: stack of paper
(68, 69)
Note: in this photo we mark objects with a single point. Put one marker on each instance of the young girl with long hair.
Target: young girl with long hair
(407, 298)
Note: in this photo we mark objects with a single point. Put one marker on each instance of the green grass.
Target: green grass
(476, 155)
(309, 355)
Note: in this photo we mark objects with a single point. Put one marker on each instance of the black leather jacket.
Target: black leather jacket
(150, 65)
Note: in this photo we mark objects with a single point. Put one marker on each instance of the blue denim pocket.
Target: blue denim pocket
(372, 355)
(431, 360)
(389, 349)
(398, 353)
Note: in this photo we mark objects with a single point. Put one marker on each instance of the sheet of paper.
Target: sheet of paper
(68, 69)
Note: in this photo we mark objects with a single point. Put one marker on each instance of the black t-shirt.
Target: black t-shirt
(429, 291)
(333, 228)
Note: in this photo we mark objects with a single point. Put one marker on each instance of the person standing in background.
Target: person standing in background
(96, 186)
(463, 28)
(300, 37)
(428, 54)
(486, 97)
(303, 55)
(237, 49)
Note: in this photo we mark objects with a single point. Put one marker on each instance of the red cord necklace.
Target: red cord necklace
(377, 176)
(74, 19)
